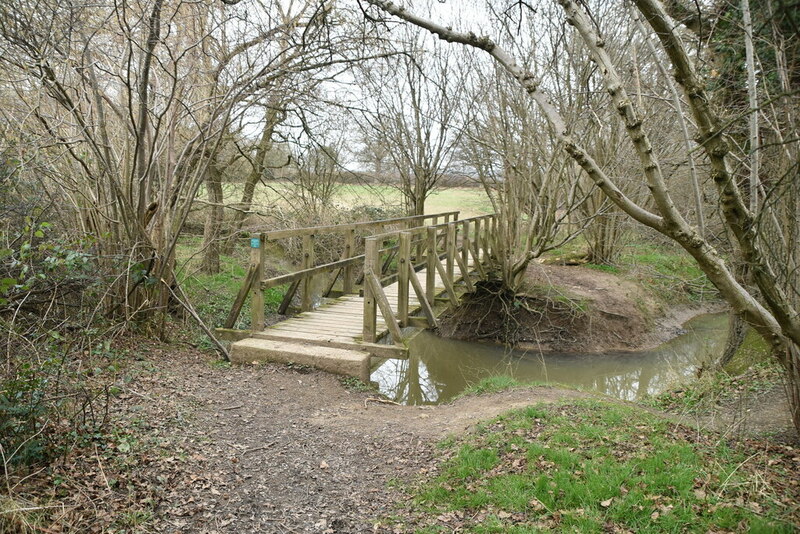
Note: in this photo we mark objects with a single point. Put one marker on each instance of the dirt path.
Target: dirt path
(270, 449)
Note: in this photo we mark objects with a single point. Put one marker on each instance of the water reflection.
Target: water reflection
(439, 369)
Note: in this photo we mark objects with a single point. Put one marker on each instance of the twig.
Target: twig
(381, 401)
(30, 509)
(142, 395)
(233, 407)
(187, 305)
(102, 471)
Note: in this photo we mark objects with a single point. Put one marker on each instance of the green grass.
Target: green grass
(491, 384)
(588, 466)
(667, 270)
(613, 269)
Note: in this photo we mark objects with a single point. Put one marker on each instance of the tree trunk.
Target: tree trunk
(214, 220)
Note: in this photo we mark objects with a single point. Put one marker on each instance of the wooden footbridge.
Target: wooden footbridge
(410, 271)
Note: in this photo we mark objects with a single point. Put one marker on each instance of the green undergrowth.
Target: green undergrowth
(589, 466)
(491, 384)
(352, 383)
(212, 295)
(668, 270)
(750, 372)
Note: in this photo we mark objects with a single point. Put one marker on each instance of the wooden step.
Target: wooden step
(333, 360)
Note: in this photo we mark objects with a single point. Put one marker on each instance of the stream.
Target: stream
(439, 369)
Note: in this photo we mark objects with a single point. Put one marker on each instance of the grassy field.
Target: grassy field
(590, 466)
(470, 201)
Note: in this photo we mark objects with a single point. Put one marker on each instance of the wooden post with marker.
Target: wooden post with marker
(257, 256)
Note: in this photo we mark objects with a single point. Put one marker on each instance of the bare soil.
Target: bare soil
(572, 309)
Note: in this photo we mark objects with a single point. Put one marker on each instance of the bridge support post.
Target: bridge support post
(347, 272)
(403, 264)
(485, 240)
(465, 245)
(371, 266)
(477, 243)
(492, 246)
(451, 250)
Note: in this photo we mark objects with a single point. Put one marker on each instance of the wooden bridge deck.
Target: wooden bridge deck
(340, 323)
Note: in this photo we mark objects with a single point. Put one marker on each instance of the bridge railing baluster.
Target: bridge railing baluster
(465, 242)
(371, 266)
(431, 255)
(493, 237)
(477, 241)
(451, 251)
(403, 263)
(308, 263)
(347, 271)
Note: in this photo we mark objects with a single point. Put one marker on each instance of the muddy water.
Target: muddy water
(439, 369)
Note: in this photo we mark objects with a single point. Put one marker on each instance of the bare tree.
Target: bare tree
(417, 99)
(517, 160)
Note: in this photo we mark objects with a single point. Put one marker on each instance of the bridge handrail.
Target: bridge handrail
(327, 267)
(255, 283)
(286, 233)
(423, 228)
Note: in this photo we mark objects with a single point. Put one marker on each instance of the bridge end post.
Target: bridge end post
(257, 258)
